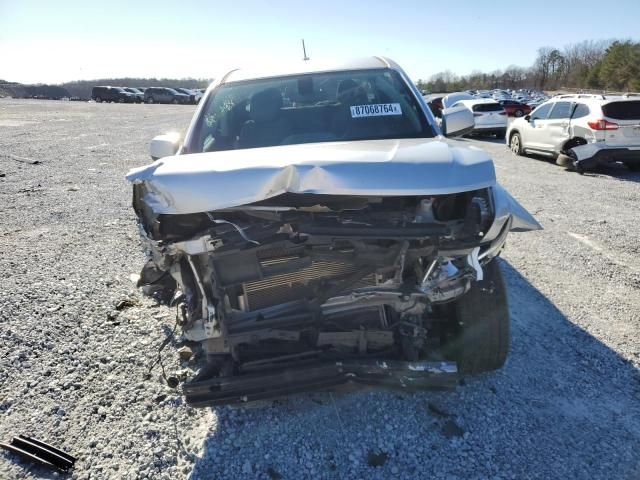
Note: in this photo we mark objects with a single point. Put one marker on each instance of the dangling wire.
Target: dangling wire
(158, 359)
(240, 231)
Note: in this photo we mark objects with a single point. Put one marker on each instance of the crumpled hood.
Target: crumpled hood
(211, 181)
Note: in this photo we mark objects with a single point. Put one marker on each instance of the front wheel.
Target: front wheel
(480, 338)
(174, 101)
(98, 100)
(515, 144)
(518, 113)
(150, 100)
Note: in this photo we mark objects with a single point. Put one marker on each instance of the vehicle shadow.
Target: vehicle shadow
(487, 139)
(564, 402)
(614, 170)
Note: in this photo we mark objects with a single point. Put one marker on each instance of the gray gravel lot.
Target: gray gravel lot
(72, 366)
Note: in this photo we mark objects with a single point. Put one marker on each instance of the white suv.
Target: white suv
(490, 117)
(591, 129)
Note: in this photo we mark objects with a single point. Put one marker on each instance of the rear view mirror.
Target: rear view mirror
(164, 145)
(457, 121)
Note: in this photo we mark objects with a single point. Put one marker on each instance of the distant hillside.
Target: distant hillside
(82, 88)
(17, 90)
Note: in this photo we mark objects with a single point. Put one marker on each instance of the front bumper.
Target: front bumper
(589, 156)
(252, 387)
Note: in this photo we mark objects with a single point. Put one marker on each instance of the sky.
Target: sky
(52, 41)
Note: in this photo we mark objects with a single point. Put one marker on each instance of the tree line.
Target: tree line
(603, 65)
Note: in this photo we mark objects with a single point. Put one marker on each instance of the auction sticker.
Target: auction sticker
(375, 110)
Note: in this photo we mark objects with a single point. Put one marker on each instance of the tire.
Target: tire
(98, 100)
(515, 144)
(174, 101)
(480, 341)
(501, 134)
(565, 161)
(150, 100)
(518, 113)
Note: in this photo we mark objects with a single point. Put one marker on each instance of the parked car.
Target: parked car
(590, 129)
(536, 102)
(112, 94)
(194, 95)
(515, 108)
(164, 95)
(450, 99)
(490, 117)
(321, 230)
(139, 94)
(434, 102)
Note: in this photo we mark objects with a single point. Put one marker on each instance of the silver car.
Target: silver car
(316, 228)
(588, 129)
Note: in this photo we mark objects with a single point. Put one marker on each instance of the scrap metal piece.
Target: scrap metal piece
(40, 452)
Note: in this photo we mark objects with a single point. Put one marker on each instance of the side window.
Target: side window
(580, 111)
(541, 112)
(560, 110)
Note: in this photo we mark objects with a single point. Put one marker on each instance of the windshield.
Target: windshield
(309, 108)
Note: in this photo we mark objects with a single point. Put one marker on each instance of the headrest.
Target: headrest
(351, 93)
(265, 105)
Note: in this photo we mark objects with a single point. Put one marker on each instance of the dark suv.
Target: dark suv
(138, 93)
(164, 95)
(112, 94)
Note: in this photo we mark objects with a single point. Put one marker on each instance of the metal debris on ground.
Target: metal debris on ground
(40, 452)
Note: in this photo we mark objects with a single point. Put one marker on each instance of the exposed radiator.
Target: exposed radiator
(291, 286)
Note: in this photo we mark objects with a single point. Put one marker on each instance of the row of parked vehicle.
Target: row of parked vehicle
(579, 131)
(490, 108)
(519, 99)
(176, 95)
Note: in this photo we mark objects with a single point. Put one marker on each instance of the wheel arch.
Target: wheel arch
(573, 142)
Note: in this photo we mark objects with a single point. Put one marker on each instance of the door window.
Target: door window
(541, 112)
(580, 111)
(560, 110)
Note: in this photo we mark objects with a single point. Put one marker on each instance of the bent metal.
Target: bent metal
(310, 265)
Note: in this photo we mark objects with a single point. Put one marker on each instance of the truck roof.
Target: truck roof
(309, 66)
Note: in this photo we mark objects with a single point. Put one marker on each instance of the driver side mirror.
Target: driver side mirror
(457, 121)
(165, 145)
(527, 118)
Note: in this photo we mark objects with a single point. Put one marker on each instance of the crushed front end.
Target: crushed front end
(302, 292)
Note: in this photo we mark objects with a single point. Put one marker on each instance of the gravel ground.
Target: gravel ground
(77, 339)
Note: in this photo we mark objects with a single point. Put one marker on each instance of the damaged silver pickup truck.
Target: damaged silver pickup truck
(316, 228)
